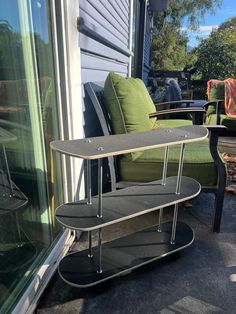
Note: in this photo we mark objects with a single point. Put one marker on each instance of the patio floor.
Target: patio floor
(200, 279)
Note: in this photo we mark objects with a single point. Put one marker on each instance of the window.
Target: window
(28, 122)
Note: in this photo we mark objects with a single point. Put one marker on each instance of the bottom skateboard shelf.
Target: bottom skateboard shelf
(123, 254)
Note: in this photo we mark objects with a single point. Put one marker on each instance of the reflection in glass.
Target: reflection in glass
(28, 122)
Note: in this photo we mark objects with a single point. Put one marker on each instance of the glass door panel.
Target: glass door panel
(28, 122)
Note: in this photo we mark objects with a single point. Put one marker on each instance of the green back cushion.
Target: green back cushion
(216, 92)
(129, 104)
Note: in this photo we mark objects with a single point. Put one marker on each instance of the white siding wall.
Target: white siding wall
(104, 46)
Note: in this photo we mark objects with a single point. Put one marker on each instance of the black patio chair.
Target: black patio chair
(121, 168)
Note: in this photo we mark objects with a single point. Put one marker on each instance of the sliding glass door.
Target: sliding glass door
(28, 122)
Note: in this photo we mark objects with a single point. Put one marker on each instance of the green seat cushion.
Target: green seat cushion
(198, 164)
(171, 123)
(129, 104)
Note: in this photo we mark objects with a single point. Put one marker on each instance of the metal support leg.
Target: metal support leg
(89, 198)
(164, 173)
(90, 254)
(159, 228)
(178, 185)
(174, 223)
(99, 215)
(8, 172)
(89, 201)
(99, 271)
(180, 170)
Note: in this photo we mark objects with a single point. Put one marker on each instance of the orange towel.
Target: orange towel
(230, 97)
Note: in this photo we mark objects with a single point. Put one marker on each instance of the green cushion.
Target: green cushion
(212, 109)
(230, 123)
(128, 103)
(171, 123)
(198, 164)
(217, 91)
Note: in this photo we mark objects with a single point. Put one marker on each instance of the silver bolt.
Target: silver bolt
(88, 140)
(100, 149)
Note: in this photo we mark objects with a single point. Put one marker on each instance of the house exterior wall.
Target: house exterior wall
(104, 41)
(147, 46)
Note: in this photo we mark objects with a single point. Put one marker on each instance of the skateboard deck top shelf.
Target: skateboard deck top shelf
(125, 204)
(105, 146)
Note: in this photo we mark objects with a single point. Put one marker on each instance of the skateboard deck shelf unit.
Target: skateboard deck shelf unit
(104, 261)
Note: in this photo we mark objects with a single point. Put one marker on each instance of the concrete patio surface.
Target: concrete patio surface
(200, 280)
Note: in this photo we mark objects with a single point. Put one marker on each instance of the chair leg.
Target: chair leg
(218, 208)
(222, 175)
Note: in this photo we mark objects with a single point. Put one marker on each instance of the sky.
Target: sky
(225, 12)
(9, 11)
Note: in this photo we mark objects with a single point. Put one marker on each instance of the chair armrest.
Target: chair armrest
(176, 102)
(217, 129)
(215, 102)
(197, 113)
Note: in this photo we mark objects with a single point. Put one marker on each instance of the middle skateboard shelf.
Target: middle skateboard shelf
(125, 204)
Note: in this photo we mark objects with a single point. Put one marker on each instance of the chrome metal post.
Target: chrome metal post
(165, 165)
(180, 170)
(99, 271)
(89, 197)
(89, 201)
(159, 228)
(164, 173)
(178, 185)
(174, 223)
(8, 172)
(90, 253)
(99, 215)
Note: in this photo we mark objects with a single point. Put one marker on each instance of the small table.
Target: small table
(105, 261)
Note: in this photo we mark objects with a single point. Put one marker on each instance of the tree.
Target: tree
(11, 54)
(216, 55)
(169, 47)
